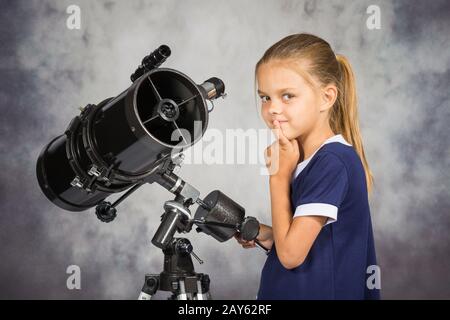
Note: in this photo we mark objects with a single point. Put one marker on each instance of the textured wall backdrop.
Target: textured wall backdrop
(48, 71)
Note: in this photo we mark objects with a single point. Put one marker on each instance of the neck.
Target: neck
(311, 141)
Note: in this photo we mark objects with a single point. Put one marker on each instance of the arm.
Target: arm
(265, 236)
(293, 237)
(293, 248)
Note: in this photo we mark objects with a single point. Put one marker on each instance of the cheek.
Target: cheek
(303, 114)
(265, 114)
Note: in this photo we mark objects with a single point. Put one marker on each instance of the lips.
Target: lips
(281, 123)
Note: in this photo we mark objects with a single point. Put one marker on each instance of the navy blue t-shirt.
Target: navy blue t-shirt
(330, 183)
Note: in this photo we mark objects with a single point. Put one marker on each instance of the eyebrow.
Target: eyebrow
(278, 91)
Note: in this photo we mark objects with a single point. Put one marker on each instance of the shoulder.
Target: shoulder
(331, 156)
(336, 155)
(329, 159)
(322, 186)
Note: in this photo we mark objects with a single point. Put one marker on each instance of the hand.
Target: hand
(282, 156)
(245, 244)
(265, 238)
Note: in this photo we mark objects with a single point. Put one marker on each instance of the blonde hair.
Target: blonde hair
(328, 68)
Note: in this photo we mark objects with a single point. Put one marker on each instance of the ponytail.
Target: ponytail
(344, 116)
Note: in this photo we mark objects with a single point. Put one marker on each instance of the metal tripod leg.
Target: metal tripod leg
(182, 294)
(203, 288)
(201, 292)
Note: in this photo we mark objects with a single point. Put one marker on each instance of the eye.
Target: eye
(287, 96)
(264, 99)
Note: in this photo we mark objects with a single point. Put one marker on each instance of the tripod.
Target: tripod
(178, 276)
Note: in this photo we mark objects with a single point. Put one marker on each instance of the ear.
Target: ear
(329, 96)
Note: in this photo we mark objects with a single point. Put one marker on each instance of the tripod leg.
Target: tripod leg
(182, 295)
(150, 287)
(203, 288)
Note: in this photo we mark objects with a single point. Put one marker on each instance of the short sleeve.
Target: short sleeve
(323, 189)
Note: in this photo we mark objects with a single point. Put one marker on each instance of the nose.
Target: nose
(275, 108)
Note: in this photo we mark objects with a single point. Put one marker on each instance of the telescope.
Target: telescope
(135, 138)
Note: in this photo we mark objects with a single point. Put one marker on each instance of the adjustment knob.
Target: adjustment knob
(105, 212)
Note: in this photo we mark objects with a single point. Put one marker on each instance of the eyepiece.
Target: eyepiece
(152, 61)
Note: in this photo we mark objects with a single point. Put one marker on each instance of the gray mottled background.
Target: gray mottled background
(48, 71)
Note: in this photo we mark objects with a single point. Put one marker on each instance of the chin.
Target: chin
(289, 135)
(288, 132)
(293, 135)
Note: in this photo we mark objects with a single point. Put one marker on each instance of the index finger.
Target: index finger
(279, 134)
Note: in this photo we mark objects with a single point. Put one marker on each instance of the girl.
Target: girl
(321, 242)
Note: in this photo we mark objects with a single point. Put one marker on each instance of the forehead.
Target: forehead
(272, 76)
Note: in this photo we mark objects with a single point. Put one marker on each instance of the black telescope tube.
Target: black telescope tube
(121, 141)
(127, 139)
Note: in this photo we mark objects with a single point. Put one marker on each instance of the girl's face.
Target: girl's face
(287, 97)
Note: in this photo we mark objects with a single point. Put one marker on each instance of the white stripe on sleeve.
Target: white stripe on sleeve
(317, 209)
